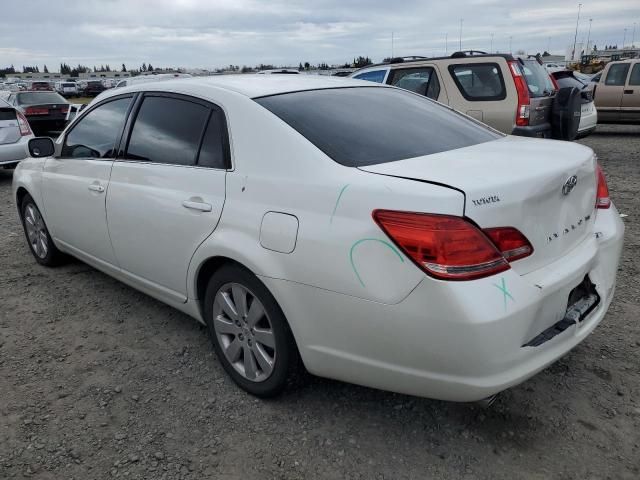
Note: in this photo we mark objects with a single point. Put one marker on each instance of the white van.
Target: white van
(66, 89)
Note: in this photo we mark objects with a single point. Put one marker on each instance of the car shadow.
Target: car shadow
(6, 176)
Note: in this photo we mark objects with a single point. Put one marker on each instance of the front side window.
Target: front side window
(479, 81)
(421, 80)
(96, 134)
(370, 125)
(167, 130)
(634, 79)
(617, 74)
(373, 76)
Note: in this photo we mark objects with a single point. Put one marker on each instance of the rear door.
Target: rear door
(480, 91)
(630, 107)
(168, 189)
(422, 80)
(610, 91)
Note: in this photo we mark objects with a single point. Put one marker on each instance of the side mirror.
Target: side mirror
(41, 147)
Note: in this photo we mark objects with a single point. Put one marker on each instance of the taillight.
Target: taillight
(443, 246)
(602, 196)
(522, 113)
(23, 124)
(36, 111)
(510, 242)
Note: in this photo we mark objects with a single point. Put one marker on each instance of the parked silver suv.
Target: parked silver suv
(513, 95)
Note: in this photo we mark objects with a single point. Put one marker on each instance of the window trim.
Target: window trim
(490, 98)
(213, 108)
(86, 112)
(433, 74)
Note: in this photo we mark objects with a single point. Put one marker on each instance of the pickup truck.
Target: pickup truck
(617, 94)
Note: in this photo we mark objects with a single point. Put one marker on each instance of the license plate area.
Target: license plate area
(583, 299)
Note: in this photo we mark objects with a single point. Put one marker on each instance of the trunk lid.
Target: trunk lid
(9, 128)
(517, 182)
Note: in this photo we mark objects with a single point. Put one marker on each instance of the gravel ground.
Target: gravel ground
(100, 381)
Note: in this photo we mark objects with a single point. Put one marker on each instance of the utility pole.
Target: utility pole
(446, 43)
(460, 37)
(589, 36)
(624, 39)
(391, 44)
(633, 36)
(575, 38)
(491, 49)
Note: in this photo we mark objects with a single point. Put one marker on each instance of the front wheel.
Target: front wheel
(249, 332)
(38, 238)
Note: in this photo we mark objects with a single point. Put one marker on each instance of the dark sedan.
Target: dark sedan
(44, 110)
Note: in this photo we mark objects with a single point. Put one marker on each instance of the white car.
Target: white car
(588, 112)
(15, 134)
(66, 89)
(380, 237)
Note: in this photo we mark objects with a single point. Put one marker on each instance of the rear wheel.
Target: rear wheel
(38, 238)
(249, 332)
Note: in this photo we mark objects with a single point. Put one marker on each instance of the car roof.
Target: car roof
(250, 85)
(415, 60)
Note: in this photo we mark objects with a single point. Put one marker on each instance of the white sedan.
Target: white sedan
(377, 236)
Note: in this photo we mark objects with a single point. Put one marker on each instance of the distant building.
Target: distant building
(89, 75)
(52, 76)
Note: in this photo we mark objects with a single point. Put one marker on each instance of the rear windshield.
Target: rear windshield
(569, 81)
(40, 84)
(370, 125)
(35, 98)
(68, 84)
(537, 79)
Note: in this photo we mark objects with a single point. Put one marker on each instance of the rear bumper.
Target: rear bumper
(588, 123)
(459, 341)
(538, 131)
(12, 153)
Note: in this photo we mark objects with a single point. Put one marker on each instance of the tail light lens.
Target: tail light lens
(23, 124)
(602, 197)
(36, 111)
(510, 242)
(443, 246)
(522, 113)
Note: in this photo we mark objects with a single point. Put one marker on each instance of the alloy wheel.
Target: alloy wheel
(244, 332)
(36, 231)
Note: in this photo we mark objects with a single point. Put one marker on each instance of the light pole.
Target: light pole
(548, 45)
(633, 36)
(446, 43)
(510, 39)
(575, 37)
(589, 35)
(460, 38)
(624, 39)
(491, 49)
(391, 44)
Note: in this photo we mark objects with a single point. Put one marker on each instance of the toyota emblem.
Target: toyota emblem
(569, 185)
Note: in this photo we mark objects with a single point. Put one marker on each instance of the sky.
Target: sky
(215, 33)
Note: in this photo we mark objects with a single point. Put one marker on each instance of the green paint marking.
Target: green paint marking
(505, 292)
(353, 265)
(337, 202)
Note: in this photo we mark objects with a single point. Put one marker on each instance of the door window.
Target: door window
(373, 76)
(419, 80)
(479, 81)
(634, 79)
(213, 152)
(167, 130)
(617, 74)
(96, 134)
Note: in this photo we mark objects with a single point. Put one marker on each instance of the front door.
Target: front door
(610, 91)
(630, 108)
(166, 194)
(76, 182)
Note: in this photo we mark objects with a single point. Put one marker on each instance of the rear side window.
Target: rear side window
(213, 150)
(479, 81)
(634, 79)
(537, 79)
(167, 130)
(373, 76)
(617, 74)
(419, 80)
(366, 126)
(95, 134)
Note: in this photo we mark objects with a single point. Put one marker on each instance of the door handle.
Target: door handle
(628, 92)
(193, 205)
(96, 187)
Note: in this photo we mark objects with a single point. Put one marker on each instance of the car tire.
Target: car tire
(253, 341)
(37, 234)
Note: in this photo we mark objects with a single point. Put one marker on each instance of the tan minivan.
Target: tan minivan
(617, 95)
(513, 95)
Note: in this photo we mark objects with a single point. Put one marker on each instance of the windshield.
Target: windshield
(537, 79)
(36, 98)
(370, 125)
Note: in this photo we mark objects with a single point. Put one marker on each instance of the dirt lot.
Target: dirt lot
(99, 381)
